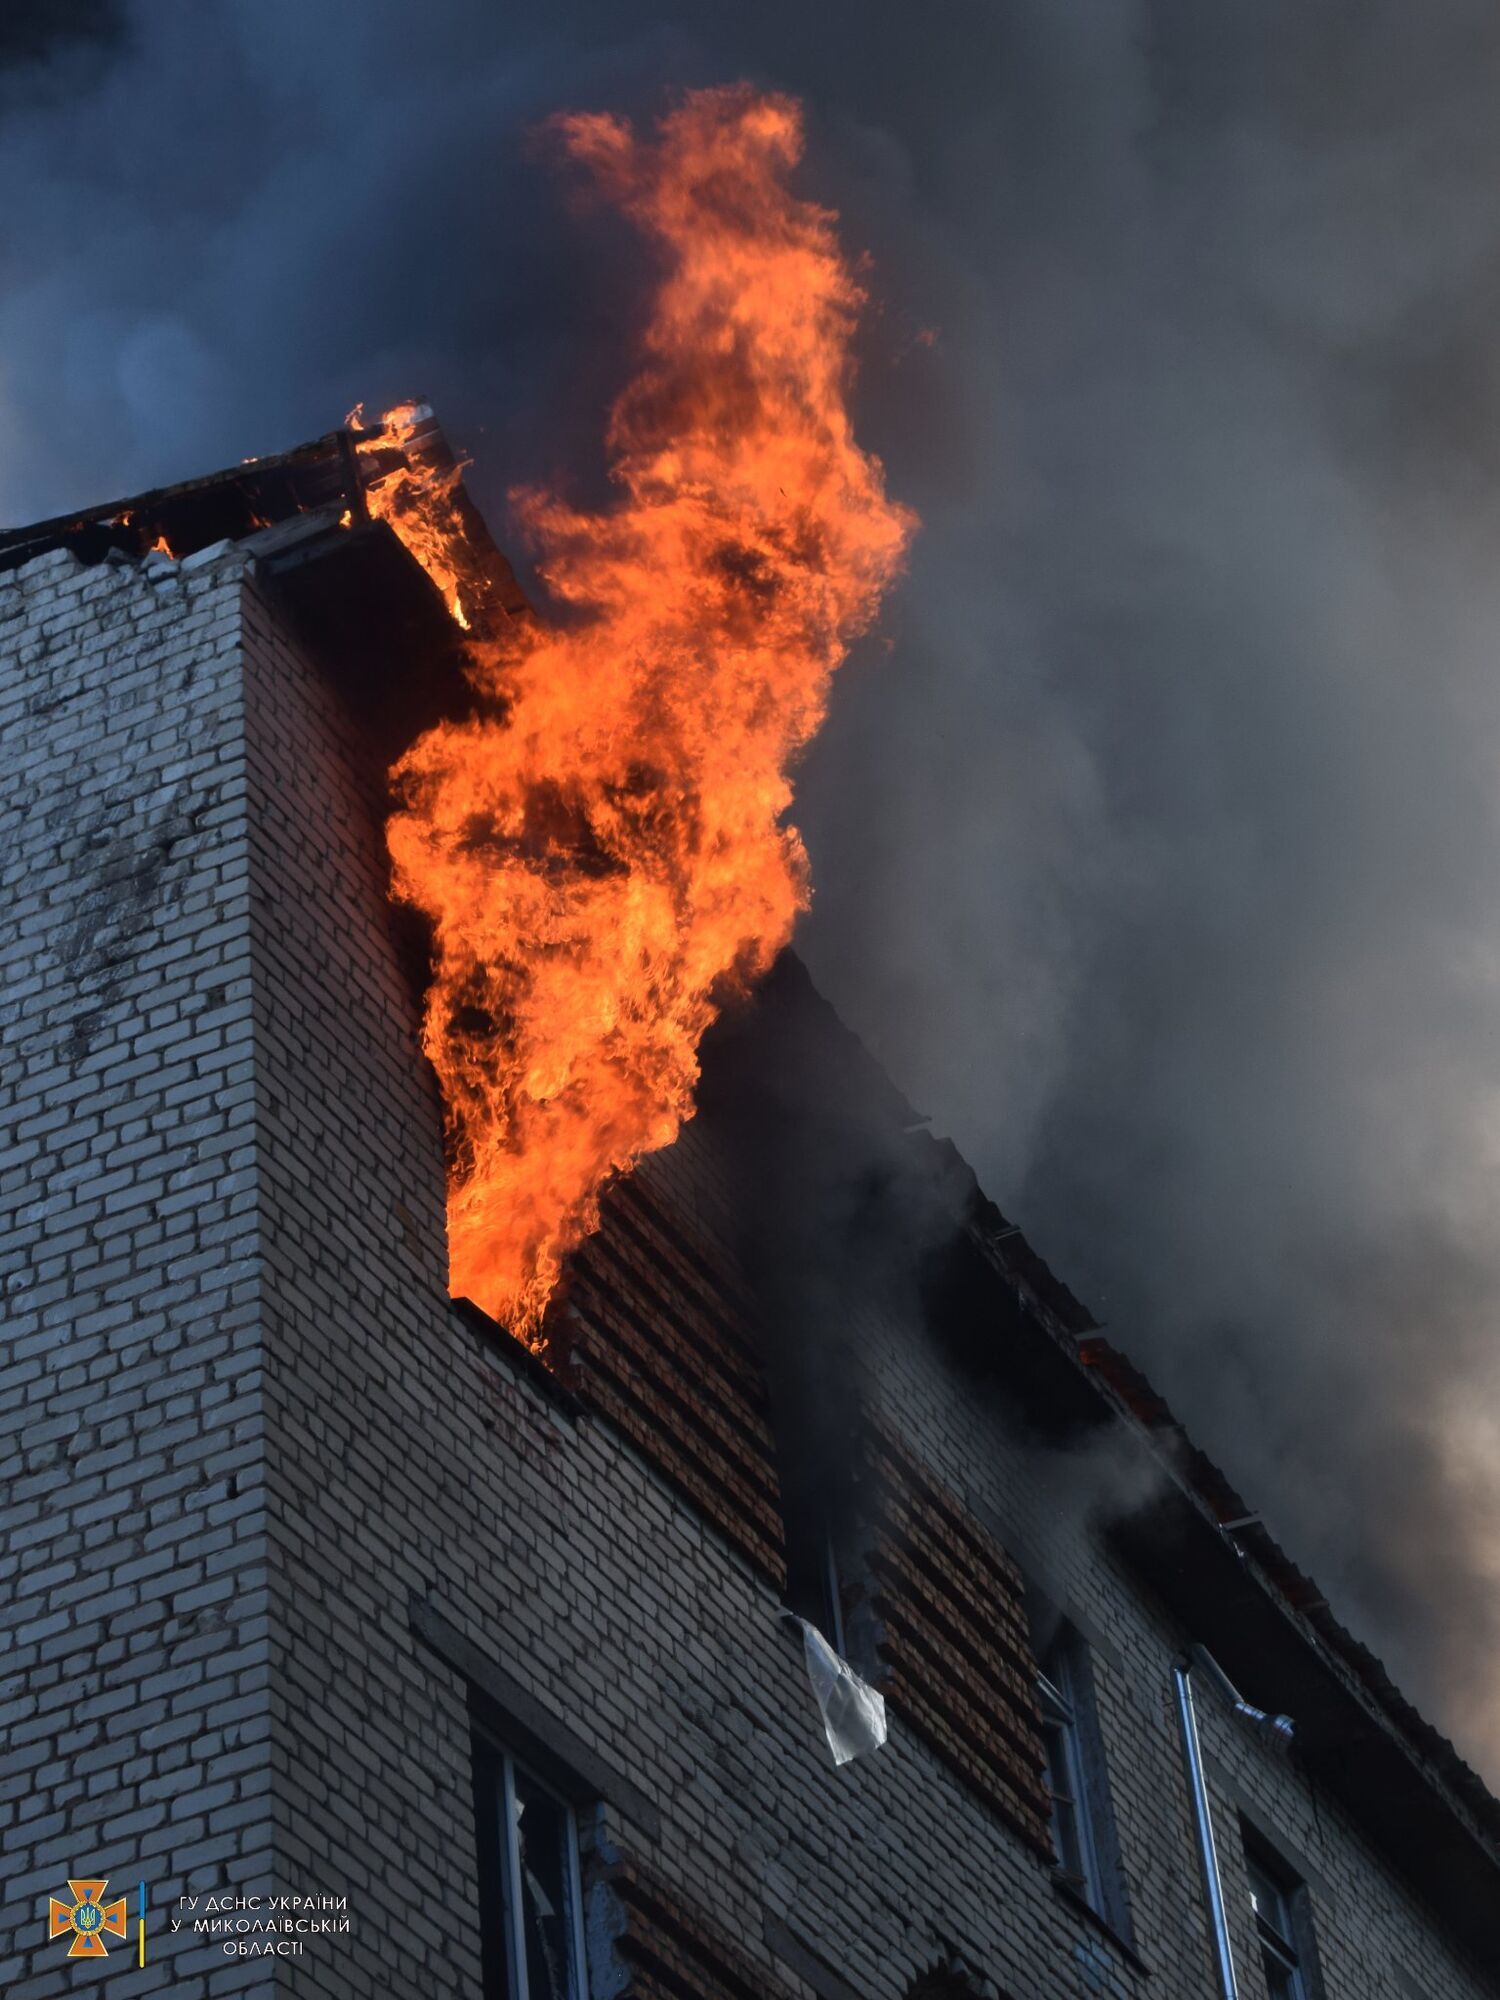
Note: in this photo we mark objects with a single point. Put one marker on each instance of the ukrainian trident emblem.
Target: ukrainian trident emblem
(89, 1918)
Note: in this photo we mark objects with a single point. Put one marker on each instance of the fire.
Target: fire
(416, 496)
(604, 851)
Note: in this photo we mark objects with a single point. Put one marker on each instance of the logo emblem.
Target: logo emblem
(89, 1918)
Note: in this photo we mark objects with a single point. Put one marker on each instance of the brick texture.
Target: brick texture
(135, 1677)
(246, 1432)
(654, 1333)
(955, 1642)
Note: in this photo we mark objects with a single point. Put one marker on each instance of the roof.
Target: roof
(357, 599)
(334, 473)
(190, 516)
(1299, 1596)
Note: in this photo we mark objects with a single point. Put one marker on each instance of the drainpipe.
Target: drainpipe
(1203, 1827)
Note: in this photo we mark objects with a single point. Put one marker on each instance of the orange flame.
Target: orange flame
(416, 499)
(606, 858)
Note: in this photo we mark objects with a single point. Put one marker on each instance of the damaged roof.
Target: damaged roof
(195, 513)
(363, 605)
(332, 475)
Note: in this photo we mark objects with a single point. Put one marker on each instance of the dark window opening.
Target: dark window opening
(530, 1896)
(814, 1581)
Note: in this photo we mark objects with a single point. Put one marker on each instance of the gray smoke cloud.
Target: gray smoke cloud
(1157, 856)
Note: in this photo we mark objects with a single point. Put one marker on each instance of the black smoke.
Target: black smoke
(1158, 855)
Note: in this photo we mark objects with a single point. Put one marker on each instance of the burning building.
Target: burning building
(530, 1472)
(381, 1646)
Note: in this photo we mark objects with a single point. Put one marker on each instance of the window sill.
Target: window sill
(1085, 1909)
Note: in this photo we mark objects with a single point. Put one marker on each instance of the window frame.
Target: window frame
(1060, 1722)
(1068, 1704)
(1282, 1934)
(499, 1854)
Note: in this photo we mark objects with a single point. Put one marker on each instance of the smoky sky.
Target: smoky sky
(1155, 839)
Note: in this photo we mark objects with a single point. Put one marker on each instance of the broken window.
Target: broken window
(531, 1906)
(815, 1588)
(1082, 1825)
(826, 1583)
(1278, 1901)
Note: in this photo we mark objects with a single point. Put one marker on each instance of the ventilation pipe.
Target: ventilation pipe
(1203, 1827)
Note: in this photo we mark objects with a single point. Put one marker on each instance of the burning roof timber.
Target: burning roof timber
(330, 478)
(371, 612)
(375, 616)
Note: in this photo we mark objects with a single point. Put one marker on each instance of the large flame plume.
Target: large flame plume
(604, 853)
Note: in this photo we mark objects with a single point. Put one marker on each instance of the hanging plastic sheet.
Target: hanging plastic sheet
(853, 1712)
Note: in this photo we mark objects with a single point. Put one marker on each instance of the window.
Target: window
(815, 1583)
(829, 1597)
(531, 1907)
(1082, 1826)
(1072, 1834)
(1274, 1897)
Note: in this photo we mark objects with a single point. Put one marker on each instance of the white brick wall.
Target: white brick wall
(135, 1679)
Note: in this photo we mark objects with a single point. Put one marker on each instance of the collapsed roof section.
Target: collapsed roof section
(334, 474)
(224, 506)
(364, 606)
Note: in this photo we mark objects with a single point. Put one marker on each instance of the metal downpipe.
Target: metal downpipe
(1208, 1853)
